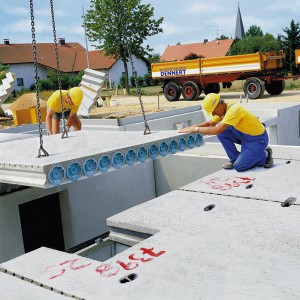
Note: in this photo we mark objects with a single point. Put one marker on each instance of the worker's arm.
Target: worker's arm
(205, 124)
(49, 116)
(211, 130)
(74, 121)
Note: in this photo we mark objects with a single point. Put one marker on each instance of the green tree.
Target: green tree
(254, 30)
(121, 25)
(289, 43)
(223, 37)
(192, 55)
(155, 57)
(3, 70)
(255, 43)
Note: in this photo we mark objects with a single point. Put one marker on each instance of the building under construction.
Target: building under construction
(113, 212)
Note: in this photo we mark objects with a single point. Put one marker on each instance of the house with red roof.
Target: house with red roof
(72, 59)
(206, 49)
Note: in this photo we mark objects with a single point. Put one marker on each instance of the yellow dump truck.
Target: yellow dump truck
(261, 71)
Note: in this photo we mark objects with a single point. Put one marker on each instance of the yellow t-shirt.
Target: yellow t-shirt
(241, 119)
(54, 102)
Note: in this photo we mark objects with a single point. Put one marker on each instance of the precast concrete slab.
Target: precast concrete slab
(238, 249)
(12, 287)
(216, 150)
(276, 184)
(84, 154)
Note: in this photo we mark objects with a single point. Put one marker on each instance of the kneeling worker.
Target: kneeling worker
(71, 102)
(235, 125)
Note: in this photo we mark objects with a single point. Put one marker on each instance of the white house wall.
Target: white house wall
(26, 71)
(116, 70)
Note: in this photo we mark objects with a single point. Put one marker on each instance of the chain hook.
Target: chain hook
(36, 82)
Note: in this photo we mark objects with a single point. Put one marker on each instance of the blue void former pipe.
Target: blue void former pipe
(57, 175)
(118, 160)
(181, 144)
(90, 167)
(104, 163)
(130, 157)
(173, 146)
(153, 151)
(163, 149)
(74, 171)
(142, 154)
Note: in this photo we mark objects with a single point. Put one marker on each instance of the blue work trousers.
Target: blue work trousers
(252, 148)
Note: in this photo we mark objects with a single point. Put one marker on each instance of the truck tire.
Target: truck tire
(212, 88)
(254, 88)
(172, 91)
(190, 90)
(275, 87)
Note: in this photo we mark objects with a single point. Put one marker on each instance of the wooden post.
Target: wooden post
(158, 101)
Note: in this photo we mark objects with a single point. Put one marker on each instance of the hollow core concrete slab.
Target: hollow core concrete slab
(84, 154)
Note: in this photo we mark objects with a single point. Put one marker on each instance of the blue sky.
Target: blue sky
(184, 21)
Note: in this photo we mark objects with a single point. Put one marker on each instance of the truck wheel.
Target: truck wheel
(275, 87)
(190, 90)
(254, 88)
(212, 88)
(172, 91)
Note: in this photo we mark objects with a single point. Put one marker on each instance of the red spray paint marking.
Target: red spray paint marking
(225, 184)
(62, 271)
(104, 269)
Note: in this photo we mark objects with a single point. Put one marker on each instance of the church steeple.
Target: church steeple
(239, 28)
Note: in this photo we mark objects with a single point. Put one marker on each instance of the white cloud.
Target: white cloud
(46, 12)
(24, 26)
(19, 11)
(201, 7)
(170, 28)
(78, 30)
(21, 26)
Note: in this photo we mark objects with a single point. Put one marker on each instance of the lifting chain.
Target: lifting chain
(65, 134)
(42, 151)
(134, 73)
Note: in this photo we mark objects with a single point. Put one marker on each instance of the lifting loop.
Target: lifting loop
(42, 151)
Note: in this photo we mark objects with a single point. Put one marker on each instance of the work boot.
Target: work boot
(228, 165)
(269, 161)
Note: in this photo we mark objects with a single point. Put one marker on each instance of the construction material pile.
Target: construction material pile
(27, 101)
(24, 110)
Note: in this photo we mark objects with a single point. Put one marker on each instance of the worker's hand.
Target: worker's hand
(191, 129)
(65, 132)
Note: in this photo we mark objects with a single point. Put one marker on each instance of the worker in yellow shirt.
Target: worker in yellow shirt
(71, 101)
(236, 125)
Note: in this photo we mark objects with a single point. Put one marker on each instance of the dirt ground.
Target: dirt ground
(128, 106)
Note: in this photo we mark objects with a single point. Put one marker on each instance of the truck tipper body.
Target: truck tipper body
(261, 71)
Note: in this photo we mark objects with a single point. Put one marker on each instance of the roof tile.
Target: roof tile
(208, 49)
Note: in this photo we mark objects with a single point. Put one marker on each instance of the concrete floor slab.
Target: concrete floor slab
(84, 154)
(14, 288)
(274, 184)
(241, 249)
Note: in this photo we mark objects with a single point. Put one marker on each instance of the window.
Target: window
(20, 82)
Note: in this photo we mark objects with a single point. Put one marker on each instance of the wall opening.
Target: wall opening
(41, 223)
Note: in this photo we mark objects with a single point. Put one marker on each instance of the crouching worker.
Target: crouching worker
(234, 124)
(71, 101)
